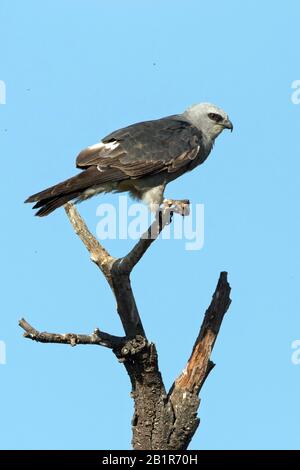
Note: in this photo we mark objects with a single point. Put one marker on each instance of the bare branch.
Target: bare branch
(99, 255)
(98, 337)
(117, 271)
(118, 280)
(126, 304)
(162, 420)
(163, 218)
(128, 262)
(199, 364)
(121, 268)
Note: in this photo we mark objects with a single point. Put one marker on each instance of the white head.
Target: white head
(208, 118)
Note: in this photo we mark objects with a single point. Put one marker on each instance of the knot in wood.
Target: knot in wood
(133, 346)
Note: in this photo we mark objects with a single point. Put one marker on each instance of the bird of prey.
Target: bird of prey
(141, 158)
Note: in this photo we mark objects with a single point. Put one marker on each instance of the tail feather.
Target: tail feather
(77, 182)
(57, 195)
(49, 205)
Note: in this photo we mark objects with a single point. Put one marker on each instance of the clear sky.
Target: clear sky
(75, 70)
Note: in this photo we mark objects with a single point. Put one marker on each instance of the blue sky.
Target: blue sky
(76, 70)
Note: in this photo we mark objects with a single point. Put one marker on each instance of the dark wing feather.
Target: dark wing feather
(146, 148)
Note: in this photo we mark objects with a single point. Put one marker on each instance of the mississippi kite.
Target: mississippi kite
(141, 159)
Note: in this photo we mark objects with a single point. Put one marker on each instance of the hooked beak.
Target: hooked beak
(227, 124)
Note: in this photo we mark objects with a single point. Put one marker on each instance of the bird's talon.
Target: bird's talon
(179, 207)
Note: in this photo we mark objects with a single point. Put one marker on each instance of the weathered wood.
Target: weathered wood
(162, 421)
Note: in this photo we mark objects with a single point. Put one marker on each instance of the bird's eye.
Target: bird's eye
(215, 117)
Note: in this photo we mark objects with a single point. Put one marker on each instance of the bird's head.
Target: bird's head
(208, 118)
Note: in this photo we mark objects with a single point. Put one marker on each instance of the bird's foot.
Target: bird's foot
(181, 207)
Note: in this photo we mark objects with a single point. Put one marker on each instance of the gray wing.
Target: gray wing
(144, 149)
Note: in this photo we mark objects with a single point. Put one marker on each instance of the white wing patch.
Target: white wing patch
(102, 146)
(102, 150)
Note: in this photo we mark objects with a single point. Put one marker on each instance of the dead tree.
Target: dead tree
(162, 420)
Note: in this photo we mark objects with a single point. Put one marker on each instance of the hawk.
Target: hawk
(141, 158)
